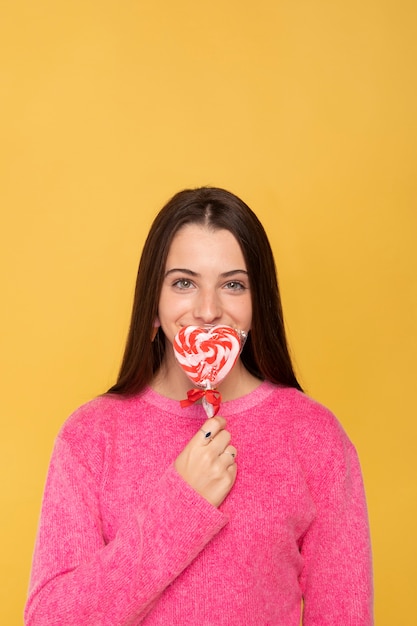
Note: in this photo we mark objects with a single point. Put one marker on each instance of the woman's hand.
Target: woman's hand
(207, 462)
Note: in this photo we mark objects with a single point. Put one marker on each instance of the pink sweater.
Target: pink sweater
(124, 540)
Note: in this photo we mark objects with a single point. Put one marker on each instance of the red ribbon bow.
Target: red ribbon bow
(212, 396)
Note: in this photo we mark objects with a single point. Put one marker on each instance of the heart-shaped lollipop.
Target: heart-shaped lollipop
(207, 355)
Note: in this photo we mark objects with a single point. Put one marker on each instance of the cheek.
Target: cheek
(243, 310)
(170, 306)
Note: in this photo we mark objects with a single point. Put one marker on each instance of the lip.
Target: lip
(207, 327)
(204, 326)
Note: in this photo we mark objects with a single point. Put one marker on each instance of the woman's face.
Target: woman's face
(205, 282)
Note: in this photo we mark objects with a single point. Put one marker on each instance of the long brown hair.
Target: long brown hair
(265, 353)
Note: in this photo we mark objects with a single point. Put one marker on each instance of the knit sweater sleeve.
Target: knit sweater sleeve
(79, 579)
(337, 574)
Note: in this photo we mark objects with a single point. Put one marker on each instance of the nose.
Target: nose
(207, 307)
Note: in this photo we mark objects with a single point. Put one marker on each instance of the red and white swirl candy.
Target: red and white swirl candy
(207, 355)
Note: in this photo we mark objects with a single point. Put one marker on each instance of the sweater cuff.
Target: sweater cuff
(180, 522)
(184, 500)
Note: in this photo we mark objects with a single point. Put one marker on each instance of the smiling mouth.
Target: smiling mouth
(204, 326)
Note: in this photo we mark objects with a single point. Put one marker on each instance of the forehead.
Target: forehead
(195, 242)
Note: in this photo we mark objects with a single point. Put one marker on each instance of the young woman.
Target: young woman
(155, 515)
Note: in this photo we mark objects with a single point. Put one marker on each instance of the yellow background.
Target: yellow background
(307, 110)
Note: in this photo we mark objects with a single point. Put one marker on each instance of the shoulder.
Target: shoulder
(90, 433)
(314, 431)
(93, 414)
(100, 417)
(309, 418)
(299, 409)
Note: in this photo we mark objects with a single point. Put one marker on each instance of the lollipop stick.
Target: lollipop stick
(209, 408)
(211, 400)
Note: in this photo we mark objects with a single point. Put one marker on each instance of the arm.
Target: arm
(337, 576)
(78, 579)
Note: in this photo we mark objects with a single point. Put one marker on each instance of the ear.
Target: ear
(155, 328)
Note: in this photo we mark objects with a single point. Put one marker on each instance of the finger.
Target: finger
(210, 429)
(220, 442)
(228, 456)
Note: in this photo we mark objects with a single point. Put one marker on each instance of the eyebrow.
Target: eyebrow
(182, 270)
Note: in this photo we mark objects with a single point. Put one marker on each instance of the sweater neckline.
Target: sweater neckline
(231, 407)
